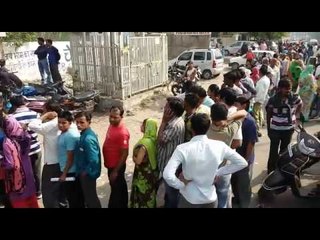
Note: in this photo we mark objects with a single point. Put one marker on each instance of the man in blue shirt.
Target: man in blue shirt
(54, 57)
(88, 160)
(42, 53)
(241, 180)
(67, 143)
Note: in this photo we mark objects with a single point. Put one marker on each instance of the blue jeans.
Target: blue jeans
(171, 197)
(222, 189)
(44, 71)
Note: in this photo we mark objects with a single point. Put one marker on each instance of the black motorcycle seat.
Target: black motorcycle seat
(309, 145)
(84, 96)
(275, 180)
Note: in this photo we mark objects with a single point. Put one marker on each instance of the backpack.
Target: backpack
(15, 177)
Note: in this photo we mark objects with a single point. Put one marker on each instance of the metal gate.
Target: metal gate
(103, 62)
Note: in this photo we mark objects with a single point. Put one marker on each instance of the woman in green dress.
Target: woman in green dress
(307, 90)
(145, 176)
(295, 70)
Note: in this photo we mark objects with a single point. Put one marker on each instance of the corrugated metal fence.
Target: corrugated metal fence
(99, 62)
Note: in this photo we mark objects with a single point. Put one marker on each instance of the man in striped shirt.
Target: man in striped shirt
(283, 114)
(24, 116)
(171, 134)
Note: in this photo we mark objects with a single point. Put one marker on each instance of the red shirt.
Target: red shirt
(250, 55)
(117, 138)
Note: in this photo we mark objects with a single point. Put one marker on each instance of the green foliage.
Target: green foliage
(18, 38)
(55, 36)
(268, 35)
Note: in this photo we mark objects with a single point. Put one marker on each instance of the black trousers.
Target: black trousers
(241, 188)
(50, 190)
(89, 191)
(73, 192)
(4, 198)
(277, 137)
(119, 190)
(36, 168)
(183, 203)
(54, 69)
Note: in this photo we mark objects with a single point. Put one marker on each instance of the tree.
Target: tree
(55, 36)
(268, 35)
(18, 38)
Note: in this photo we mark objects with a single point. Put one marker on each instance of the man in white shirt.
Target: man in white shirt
(262, 89)
(200, 159)
(47, 126)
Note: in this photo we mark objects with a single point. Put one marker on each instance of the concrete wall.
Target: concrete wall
(180, 43)
(23, 60)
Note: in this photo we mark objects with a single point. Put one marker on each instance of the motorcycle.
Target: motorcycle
(296, 158)
(176, 73)
(84, 102)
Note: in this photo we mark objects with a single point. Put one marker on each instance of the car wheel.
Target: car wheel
(206, 74)
(234, 66)
(226, 53)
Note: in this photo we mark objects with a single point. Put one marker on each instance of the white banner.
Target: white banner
(23, 60)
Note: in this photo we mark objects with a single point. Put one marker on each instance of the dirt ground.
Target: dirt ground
(151, 107)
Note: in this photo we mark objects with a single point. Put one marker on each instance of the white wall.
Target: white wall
(23, 60)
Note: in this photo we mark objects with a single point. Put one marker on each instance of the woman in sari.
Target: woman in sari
(295, 70)
(19, 179)
(307, 90)
(145, 176)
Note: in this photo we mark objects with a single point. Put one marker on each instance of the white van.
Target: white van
(210, 61)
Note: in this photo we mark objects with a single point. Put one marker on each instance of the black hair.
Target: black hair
(192, 100)
(264, 69)
(40, 39)
(228, 95)
(242, 73)
(87, 115)
(188, 86)
(200, 123)
(66, 115)
(16, 101)
(2, 62)
(53, 106)
(284, 83)
(219, 111)
(176, 105)
(198, 90)
(119, 108)
(275, 55)
(214, 88)
(49, 41)
(244, 100)
(233, 75)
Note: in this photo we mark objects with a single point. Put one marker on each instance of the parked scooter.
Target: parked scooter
(291, 163)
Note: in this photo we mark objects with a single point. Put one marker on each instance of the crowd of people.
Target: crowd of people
(202, 152)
